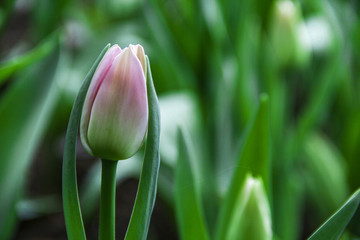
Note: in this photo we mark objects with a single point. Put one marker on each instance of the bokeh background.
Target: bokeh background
(211, 61)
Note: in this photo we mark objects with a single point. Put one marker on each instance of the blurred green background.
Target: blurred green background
(211, 61)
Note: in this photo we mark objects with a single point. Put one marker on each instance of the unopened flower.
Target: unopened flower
(289, 35)
(115, 114)
(252, 217)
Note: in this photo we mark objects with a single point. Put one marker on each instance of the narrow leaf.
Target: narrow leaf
(72, 212)
(146, 194)
(335, 225)
(188, 208)
(254, 158)
(25, 110)
(36, 54)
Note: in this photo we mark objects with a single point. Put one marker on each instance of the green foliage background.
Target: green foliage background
(266, 87)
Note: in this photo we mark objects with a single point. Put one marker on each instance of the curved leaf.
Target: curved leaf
(25, 110)
(36, 54)
(146, 194)
(188, 209)
(335, 225)
(72, 212)
(254, 158)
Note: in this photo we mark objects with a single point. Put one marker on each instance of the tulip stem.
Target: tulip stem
(107, 200)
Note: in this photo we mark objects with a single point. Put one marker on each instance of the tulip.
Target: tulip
(115, 113)
(252, 216)
(325, 174)
(289, 35)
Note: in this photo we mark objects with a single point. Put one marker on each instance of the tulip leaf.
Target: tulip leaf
(38, 53)
(72, 212)
(335, 225)
(25, 110)
(325, 175)
(146, 194)
(320, 99)
(188, 208)
(254, 158)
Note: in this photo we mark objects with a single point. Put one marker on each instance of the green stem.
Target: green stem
(107, 200)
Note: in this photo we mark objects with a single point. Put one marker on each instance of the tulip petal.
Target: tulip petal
(119, 114)
(96, 81)
(139, 52)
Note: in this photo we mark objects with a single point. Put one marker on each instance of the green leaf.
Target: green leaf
(176, 73)
(325, 174)
(289, 200)
(25, 110)
(335, 225)
(187, 199)
(146, 194)
(31, 57)
(320, 99)
(72, 212)
(213, 15)
(254, 158)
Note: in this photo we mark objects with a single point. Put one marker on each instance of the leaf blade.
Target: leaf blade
(335, 225)
(254, 157)
(146, 194)
(26, 110)
(34, 55)
(72, 212)
(188, 207)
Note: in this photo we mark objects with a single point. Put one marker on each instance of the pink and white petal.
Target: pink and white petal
(119, 118)
(96, 81)
(140, 53)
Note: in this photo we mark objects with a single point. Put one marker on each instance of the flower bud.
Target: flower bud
(251, 218)
(288, 34)
(115, 114)
(325, 174)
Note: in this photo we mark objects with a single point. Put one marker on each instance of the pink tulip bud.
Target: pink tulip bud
(115, 114)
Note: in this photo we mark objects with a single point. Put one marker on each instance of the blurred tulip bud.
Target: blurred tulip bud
(251, 218)
(289, 40)
(325, 174)
(115, 114)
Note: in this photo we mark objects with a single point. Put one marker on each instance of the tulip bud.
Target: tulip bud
(251, 218)
(115, 114)
(325, 174)
(288, 34)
